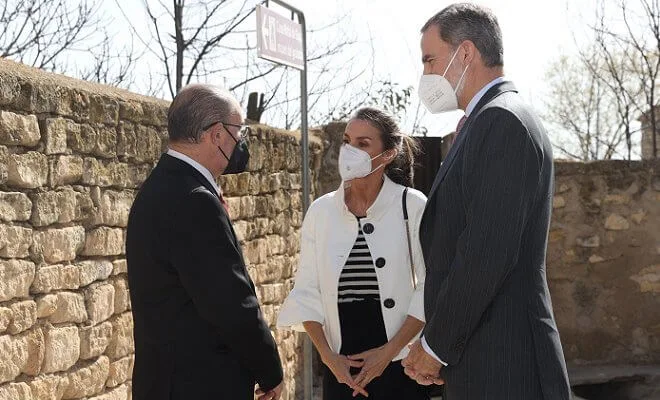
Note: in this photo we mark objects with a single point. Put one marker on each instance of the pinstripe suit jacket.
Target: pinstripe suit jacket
(484, 237)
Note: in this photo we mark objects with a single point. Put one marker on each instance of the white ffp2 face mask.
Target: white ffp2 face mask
(355, 163)
(437, 94)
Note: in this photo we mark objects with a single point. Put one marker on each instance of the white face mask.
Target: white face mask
(355, 163)
(437, 94)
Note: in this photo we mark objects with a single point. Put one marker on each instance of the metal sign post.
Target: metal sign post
(284, 41)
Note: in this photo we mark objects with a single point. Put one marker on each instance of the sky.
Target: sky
(535, 33)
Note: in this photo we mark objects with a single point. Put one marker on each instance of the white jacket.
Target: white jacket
(328, 234)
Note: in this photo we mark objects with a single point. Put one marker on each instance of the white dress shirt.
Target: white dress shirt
(199, 167)
(470, 107)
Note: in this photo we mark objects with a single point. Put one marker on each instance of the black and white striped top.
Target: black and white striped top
(358, 281)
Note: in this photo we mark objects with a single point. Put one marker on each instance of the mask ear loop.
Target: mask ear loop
(450, 62)
(461, 79)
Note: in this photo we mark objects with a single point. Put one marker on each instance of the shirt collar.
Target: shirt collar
(382, 204)
(473, 103)
(199, 167)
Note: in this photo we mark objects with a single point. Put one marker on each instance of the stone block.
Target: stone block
(104, 241)
(62, 349)
(23, 353)
(66, 170)
(48, 387)
(100, 302)
(137, 174)
(138, 143)
(55, 132)
(558, 202)
(615, 222)
(103, 110)
(638, 217)
(24, 316)
(88, 380)
(94, 340)
(617, 199)
(15, 241)
(16, 391)
(56, 277)
(16, 276)
(122, 343)
(590, 242)
(27, 171)
(19, 130)
(10, 89)
(113, 207)
(154, 114)
(57, 245)
(70, 307)
(5, 318)
(130, 111)
(648, 279)
(82, 138)
(61, 206)
(94, 270)
(120, 371)
(106, 173)
(46, 305)
(122, 392)
(14, 206)
(4, 172)
(122, 298)
(119, 267)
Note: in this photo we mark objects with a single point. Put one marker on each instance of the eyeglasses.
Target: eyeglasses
(242, 133)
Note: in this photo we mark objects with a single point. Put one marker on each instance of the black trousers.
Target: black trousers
(363, 328)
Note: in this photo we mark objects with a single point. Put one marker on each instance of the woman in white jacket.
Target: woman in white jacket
(359, 287)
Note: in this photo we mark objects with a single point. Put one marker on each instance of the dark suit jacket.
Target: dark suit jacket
(199, 332)
(484, 236)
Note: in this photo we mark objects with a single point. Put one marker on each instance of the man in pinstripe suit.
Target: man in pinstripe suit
(490, 331)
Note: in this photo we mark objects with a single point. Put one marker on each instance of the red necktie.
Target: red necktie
(223, 202)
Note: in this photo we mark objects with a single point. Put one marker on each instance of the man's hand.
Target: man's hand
(421, 366)
(273, 394)
(375, 361)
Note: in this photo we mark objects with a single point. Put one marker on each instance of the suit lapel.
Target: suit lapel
(491, 94)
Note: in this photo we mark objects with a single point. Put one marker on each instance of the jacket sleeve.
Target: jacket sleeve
(500, 175)
(213, 273)
(304, 301)
(416, 308)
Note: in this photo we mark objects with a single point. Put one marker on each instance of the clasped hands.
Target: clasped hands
(421, 366)
(372, 363)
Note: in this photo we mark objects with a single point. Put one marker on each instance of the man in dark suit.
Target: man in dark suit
(199, 332)
(490, 331)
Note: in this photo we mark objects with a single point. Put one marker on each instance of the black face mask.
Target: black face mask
(238, 161)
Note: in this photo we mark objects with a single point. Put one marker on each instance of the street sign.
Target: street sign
(279, 39)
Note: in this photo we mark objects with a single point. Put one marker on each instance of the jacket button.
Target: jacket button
(460, 344)
(380, 262)
(389, 303)
(368, 228)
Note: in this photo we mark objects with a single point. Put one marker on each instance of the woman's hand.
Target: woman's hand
(340, 366)
(374, 363)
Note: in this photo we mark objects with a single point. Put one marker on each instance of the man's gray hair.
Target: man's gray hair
(196, 107)
(465, 21)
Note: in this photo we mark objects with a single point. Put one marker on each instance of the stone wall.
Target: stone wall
(72, 155)
(604, 262)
